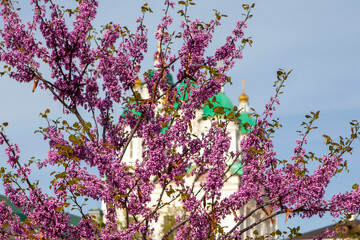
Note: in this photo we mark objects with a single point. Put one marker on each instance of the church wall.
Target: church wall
(135, 152)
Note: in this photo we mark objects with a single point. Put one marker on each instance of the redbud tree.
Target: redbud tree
(92, 73)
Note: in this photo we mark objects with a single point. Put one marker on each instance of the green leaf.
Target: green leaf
(230, 115)
(219, 110)
(88, 125)
(72, 138)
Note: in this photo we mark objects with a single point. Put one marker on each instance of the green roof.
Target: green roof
(245, 119)
(221, 101)
(151, 74)
(168, 76)
(235, 169)
(189, 169)
(74, 220)
(182, 93)
(137, 114)
(15, 210)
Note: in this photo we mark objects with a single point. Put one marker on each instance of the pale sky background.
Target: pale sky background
(319, 40)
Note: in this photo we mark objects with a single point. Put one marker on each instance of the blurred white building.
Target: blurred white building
(201, 124)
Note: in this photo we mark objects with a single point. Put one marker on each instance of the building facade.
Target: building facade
(201, 123)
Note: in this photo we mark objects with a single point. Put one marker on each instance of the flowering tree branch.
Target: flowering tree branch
(91, 74)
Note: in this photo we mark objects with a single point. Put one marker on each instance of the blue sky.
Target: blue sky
(318, 40)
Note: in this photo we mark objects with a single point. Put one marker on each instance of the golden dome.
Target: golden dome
(243, 98)
(138, 83)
